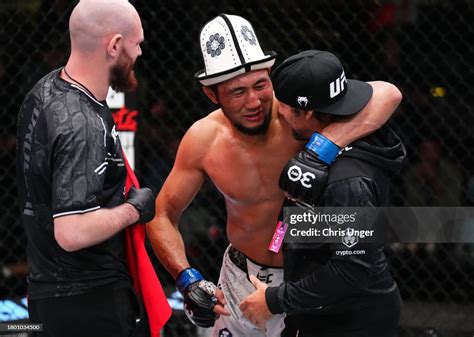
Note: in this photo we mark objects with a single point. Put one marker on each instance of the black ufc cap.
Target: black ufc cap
(315, 80)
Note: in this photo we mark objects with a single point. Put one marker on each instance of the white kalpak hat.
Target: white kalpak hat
(229, 48)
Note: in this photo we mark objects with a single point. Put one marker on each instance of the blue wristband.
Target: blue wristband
(186, 278)
(326, 150)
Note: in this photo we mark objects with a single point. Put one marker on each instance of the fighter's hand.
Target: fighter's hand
(144, 201)
(254, 307)
(203, 301)
(304, 177)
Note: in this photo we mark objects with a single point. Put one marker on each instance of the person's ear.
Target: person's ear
(308, 114)
(211, 94)
(114, 45)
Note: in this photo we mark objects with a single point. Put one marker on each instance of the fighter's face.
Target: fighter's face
(301, 126)
(247, 101)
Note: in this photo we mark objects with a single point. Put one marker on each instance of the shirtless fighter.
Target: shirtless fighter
(242, 147)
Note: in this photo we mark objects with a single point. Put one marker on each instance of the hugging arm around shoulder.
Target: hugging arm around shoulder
(383, 103)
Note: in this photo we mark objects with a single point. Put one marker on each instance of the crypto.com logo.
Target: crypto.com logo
(349, 239)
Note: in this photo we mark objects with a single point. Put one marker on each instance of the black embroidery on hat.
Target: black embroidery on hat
(236, 42)
(215, 44)
(248, 35)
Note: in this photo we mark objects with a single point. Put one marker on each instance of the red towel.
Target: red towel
(145, 281)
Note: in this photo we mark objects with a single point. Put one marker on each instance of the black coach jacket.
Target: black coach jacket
(321, 283)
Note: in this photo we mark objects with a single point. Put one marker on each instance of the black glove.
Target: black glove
(199, 297)
(144, 201)
(305, 176)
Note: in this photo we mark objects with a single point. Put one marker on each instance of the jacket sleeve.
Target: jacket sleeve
(343, 274)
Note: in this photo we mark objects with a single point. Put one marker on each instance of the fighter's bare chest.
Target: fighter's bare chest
(248, 172)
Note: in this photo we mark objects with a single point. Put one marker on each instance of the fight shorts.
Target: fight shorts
(234, 282)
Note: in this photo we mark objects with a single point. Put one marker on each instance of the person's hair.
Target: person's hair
(322, 116)
(213, 87)
(298, 111)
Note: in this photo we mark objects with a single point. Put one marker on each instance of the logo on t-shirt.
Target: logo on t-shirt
(114, 135)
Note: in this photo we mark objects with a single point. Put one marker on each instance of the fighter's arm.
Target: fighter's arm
(385, 99)
(178, 191)
(202, 300)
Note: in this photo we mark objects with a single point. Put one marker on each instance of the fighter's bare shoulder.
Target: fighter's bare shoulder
(204, 131)
(201, 136)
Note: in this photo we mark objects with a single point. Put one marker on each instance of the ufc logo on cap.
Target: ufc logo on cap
(295, 174)
(336, 87)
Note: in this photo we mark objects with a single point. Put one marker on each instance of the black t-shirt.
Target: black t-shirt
(69, 161)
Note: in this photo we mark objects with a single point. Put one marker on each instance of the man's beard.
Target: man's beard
(255, 131)
(122, 76)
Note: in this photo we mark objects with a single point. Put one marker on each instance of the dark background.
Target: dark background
(421, 46)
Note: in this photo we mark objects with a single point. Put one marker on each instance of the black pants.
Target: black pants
(368, 316)
(105, 311)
